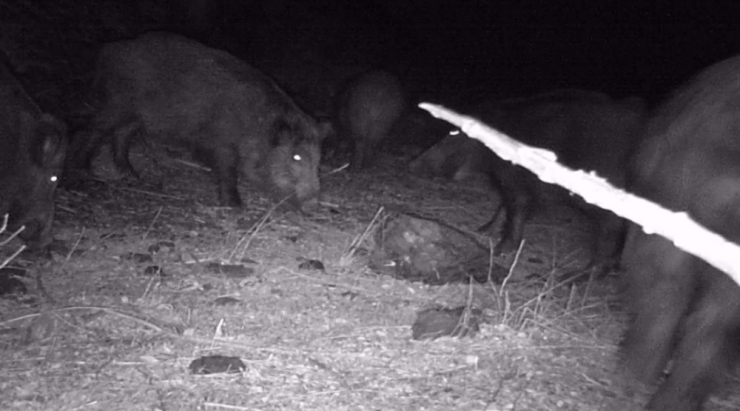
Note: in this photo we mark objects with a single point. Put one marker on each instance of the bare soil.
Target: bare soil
(134, 294)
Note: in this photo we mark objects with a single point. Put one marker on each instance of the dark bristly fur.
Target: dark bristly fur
(366, 109)
(235, 118)
(32, 149)
(587, 130)
(682, 308)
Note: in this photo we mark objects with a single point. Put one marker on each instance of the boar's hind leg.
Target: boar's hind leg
(225, 164)
(517, 206)
(708, 349)
(658, 299)
(609, 237)
(122, 139)
(516, 203)
(85, 147)
(361, 154)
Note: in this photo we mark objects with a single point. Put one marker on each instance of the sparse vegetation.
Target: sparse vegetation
(145, 279)
(311, 339)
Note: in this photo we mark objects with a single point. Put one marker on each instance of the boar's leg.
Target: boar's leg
(660, 287)
(517, 209)
(82, 155)
(517, 202)
(708, 349)
(83, 147)
(608, 239)
(225, 164)
(122, 139)
(362, 151)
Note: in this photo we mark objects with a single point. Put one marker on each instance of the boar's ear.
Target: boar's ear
(48, 142)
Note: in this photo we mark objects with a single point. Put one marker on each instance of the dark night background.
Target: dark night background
(452, 52)
(457, 53)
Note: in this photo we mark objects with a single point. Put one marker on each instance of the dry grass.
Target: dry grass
(108, 331)
(130, 298)
(5, 239)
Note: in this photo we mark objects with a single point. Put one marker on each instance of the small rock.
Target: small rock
(314, 265)
(227, 301)
(154, 270)
(139, 258)
(10, 282)
(438, 322)
(216, 364)
(231, 270)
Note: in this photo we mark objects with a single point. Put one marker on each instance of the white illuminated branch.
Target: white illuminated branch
(676, 226)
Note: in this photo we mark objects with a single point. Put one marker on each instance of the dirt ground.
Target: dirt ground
(137, 290)
(147, 277)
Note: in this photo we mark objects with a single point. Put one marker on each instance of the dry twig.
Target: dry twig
(685, 233)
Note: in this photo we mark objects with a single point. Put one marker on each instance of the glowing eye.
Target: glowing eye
(454, 132)
(297, 157)
(53, 179)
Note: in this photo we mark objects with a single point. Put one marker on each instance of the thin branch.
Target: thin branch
(685, 233)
